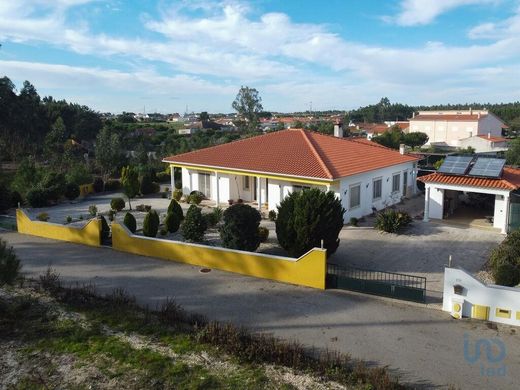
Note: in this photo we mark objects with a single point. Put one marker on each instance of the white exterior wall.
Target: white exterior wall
(490, 124)
(482, 145)
(477, 293)
(449, 132)
(436, 202)
(366, 186)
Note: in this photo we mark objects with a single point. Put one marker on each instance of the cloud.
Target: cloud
(507, 28)
(422, 12)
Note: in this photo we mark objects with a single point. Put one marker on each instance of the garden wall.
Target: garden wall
(308, 270)
(90, 234)
(86, 189)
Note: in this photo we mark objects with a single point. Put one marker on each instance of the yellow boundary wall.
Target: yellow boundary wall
(86, 189)
(308, 270)
(90, 234)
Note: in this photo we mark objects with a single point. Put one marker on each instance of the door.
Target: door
(514, 216)
(405, 182)
(205, 184)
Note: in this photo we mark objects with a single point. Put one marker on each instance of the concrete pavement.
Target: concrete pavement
(423, 346)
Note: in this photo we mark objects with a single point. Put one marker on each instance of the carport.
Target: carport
(447, 194)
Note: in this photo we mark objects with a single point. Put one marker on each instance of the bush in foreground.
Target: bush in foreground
(392, 221)
(172, 222)
(9, 264)
(194, 225)
(130, 222)
(306, 218)
(505, 261)
(151, 224)
(240, 228)
(177, 194)
(175, 208)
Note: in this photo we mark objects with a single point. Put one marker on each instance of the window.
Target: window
(377, 185)
(396, 182)
(205, 184)
(245, 181)
(300, 188)
(355, 196)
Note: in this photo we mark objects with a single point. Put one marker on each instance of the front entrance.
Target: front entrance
(469, 208)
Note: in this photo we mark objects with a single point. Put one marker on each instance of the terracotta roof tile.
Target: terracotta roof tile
(510, 180)
(296, 152)
(492, 138)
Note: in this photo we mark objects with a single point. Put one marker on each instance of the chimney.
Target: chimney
(401, 148)
(413, 115)
(338, 130)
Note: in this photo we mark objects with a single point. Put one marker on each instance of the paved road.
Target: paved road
(422, 345)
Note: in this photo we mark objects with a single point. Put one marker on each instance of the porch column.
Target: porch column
(327, 187)
(507, 205)
(426, 205)
(259, 195)
(217, 195)
(172, 178)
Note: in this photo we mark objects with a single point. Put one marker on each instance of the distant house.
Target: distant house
(447, 128)
(266, 168)
(173, 118)
(485, 144)
(372, 129)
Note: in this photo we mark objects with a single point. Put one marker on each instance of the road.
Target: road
(422, 345)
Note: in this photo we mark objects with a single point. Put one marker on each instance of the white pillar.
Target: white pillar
(327, 187)
(507, 203)
(172, 177)
(217, 195)
(259, 189)
(427, 205)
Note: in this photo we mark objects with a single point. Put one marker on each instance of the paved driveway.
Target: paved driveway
(423, 345)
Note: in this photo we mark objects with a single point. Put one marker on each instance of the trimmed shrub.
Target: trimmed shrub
(98, 184)
(92, 210)
(196, 197)
(354, 221)
(151, 224)
(111, 214)
(177, 195)
(130, 222)
(307, 217)
(240, 228)
(214, 217)
(194, 225)
(175, 207)
(506, 274)
(112, 185)
(10, 265)
(163, 231)
(272, 215)
(71, 191)
(69, 219)
(146, 185)
(117, 204)
(163, 177)
(172, 222)
(105, 229)
(392, 221)
(263, 233)
(44, 217)
(37, 197)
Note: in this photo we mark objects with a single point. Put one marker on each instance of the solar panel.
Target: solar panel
(487, 167)
(455, 165)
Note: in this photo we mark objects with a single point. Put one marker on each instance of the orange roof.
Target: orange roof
(492, 138)
(510, 180)
(402, 125)
(296, 152)
(447, 117)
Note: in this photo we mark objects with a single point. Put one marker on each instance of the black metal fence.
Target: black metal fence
(389, 284)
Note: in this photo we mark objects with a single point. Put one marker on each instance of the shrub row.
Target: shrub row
(505, 261)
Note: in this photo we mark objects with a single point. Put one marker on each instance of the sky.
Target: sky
(166, 56)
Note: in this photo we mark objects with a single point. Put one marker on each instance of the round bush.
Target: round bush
(130, 222)
(506, 274)
(392, 221)
(172, 222)
(177, 195)
(263, 233)
(117, 204)
(151, 224)
(240, 228)
(98, 184)
(307, 217)
(194, 225)
(272, 215)
(196, 197)
(71, 191)
(37, 197)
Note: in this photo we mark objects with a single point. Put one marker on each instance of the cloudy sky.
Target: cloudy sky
(117, 55)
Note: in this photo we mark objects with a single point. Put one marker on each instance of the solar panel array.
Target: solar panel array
(455, 165)
(487, 167)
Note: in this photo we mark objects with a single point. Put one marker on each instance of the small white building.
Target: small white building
(485, 144)
(449, 127)
(265, 169)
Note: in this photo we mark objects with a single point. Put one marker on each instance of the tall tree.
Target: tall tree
(108, 152)
(248, 104)
(130, 182)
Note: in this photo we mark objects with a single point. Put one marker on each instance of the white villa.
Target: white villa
(448, 128)
(264, 169)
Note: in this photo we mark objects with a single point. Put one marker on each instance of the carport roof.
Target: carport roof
(510, 180)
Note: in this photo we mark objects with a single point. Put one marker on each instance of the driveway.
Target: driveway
(423, 346)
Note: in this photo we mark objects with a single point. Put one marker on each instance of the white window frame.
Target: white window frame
(380, 180)
(207, 182)
(351, 207)
(394, 175)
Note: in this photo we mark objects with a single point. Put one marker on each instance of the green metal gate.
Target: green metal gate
(514, 216)
(388, 284)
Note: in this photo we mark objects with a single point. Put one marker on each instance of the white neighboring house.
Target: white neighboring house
(485, 144)
(266, 168)
(447, 128)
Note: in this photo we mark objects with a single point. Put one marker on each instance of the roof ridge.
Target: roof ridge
(317, 154)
